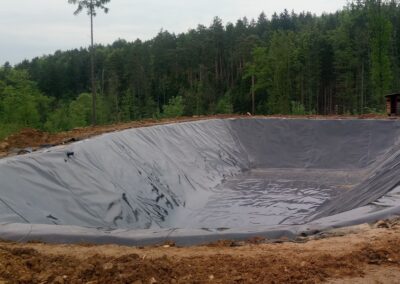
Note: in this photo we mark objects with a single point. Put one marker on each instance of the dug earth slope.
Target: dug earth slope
(361, 254)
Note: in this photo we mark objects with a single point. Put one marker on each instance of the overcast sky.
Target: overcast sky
(30, 28)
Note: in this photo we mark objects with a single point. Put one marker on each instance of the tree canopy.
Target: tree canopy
(90, 6)
(337, 63)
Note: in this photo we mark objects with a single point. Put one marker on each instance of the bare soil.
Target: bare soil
(36, 139)
(362, 254)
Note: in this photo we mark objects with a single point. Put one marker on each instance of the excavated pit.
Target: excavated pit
(200, 181)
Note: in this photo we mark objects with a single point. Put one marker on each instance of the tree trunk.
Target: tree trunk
(102, 83)
(253, 108)
(216, 69)
(92, 68)
(362, 89)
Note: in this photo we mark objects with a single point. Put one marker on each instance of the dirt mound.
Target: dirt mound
(24, 138)
(355, 254)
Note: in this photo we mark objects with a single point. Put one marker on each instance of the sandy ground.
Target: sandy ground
(362, 254)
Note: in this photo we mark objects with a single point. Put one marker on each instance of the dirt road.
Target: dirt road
(356, 255)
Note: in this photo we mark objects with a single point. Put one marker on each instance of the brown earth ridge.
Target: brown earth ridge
(361, 254)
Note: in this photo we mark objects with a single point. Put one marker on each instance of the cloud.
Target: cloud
(35, 27)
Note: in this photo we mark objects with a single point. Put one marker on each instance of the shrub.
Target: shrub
(174, 108)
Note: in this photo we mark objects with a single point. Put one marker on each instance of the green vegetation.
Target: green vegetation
(21, 102)
(174, 108)
(341, 63)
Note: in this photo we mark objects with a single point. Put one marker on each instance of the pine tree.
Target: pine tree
(380, 33)
(91, 6)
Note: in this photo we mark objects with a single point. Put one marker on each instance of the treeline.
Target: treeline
(339, 63)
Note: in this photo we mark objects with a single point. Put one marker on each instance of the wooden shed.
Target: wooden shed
(393, 104)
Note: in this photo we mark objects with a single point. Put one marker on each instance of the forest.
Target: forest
(338, 63)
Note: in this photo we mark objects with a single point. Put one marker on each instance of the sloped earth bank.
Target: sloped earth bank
(361, 254)
(202, 181)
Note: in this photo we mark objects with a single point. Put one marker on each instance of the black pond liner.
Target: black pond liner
(198, 182)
